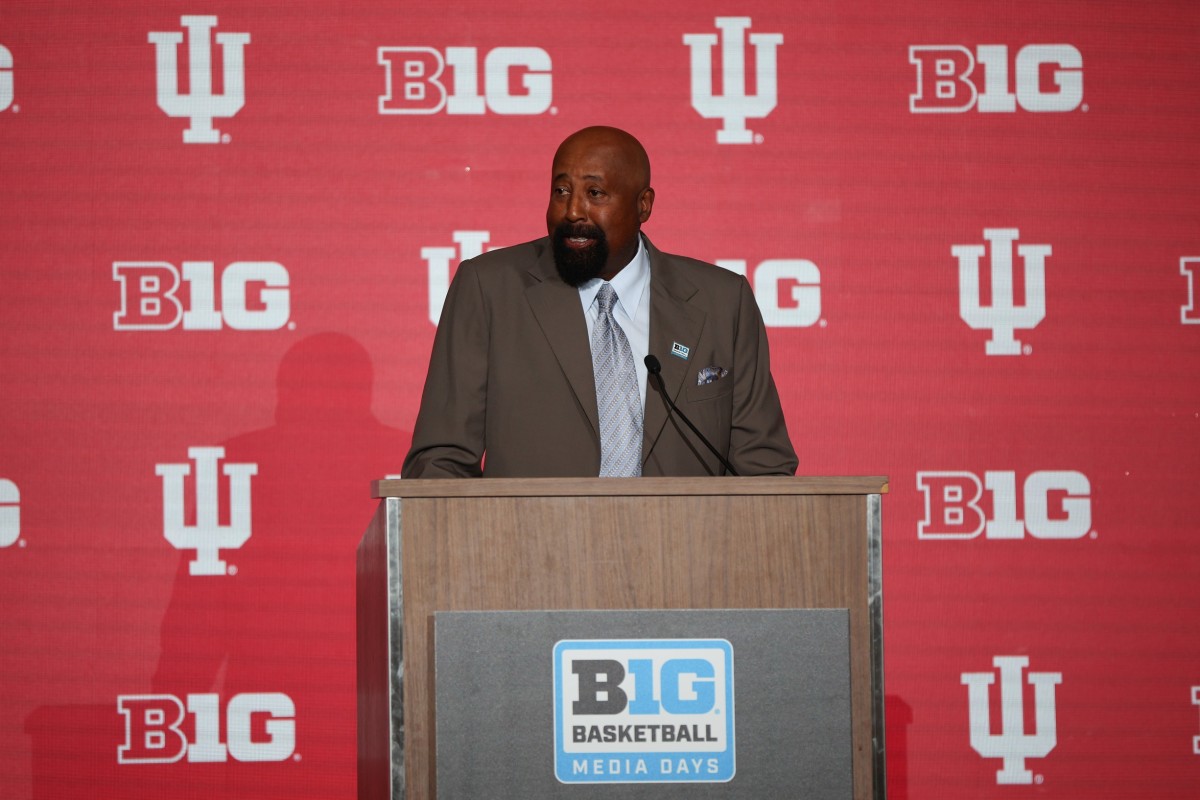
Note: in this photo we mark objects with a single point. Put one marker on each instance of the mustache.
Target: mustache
(565, 230)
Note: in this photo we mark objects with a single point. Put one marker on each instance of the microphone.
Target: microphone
(656, 370)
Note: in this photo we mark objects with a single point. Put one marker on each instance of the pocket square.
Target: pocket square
(711, 375)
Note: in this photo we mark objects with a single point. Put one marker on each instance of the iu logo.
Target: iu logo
(788, 291)
(734, 107)
(946, 79)
(1189, 314)
(470, 244)
(1196, 702)
(420, 90)
(1013, 743)
(6, 78)
(1003, 316)
(150, 296)
(10, 513)
(207, 537)
(200, 105)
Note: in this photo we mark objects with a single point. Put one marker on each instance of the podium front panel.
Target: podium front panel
(643, 704)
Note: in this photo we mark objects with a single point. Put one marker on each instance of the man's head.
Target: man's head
(599, 197)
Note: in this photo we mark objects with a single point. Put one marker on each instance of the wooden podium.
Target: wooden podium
(612, 543)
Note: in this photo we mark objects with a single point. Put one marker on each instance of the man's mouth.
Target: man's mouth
(580, 237)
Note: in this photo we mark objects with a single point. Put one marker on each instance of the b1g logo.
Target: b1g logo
(1049, 77)
(1014, 743)
(200, 105)
(6, 78)
(734, 106)
(415, 84)
(208, 537)
(643, 711)
(1057, 504)
(10, 513)
(788, 291)
(255, 296)
(1004, 316)
(258, 727)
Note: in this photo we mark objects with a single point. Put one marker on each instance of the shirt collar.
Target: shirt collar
(629, 283)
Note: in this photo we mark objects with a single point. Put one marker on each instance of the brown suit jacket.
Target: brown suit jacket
(510, 385)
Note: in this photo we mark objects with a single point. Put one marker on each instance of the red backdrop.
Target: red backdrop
(226, 232)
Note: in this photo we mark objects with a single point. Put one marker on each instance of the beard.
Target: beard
(577, 267)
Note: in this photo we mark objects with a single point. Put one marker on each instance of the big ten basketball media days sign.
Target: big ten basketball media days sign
(641, 704)
(643, 710)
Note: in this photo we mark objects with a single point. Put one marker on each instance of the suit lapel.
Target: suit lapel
(673, 320)
(558, 312)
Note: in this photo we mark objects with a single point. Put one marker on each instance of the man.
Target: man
(538, 362)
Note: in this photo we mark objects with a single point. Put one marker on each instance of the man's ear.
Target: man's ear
(645, 203)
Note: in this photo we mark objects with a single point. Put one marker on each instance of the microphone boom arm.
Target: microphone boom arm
(655, 369)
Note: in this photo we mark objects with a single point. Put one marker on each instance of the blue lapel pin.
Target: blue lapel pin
(680, 351)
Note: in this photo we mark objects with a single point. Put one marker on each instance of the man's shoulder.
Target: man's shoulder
(703, 275)
(507, 269)
(516, 255)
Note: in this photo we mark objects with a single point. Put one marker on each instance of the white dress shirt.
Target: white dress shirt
(632, 310)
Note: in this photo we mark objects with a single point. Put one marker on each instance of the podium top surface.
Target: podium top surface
(627, 487)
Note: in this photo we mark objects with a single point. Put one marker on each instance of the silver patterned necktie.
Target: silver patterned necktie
(617, 397)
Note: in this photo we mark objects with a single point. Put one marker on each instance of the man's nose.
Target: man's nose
(576, 209)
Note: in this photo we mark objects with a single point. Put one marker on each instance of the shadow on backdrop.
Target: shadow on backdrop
(278, 628)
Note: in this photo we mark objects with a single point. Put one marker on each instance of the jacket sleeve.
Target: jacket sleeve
(449, 435)
(758, 439)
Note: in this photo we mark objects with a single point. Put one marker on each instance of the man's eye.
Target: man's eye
(596, 193)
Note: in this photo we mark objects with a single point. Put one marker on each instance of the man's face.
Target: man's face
(598, 200)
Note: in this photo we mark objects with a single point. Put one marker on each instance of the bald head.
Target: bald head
(600, 195)
(626, 152)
